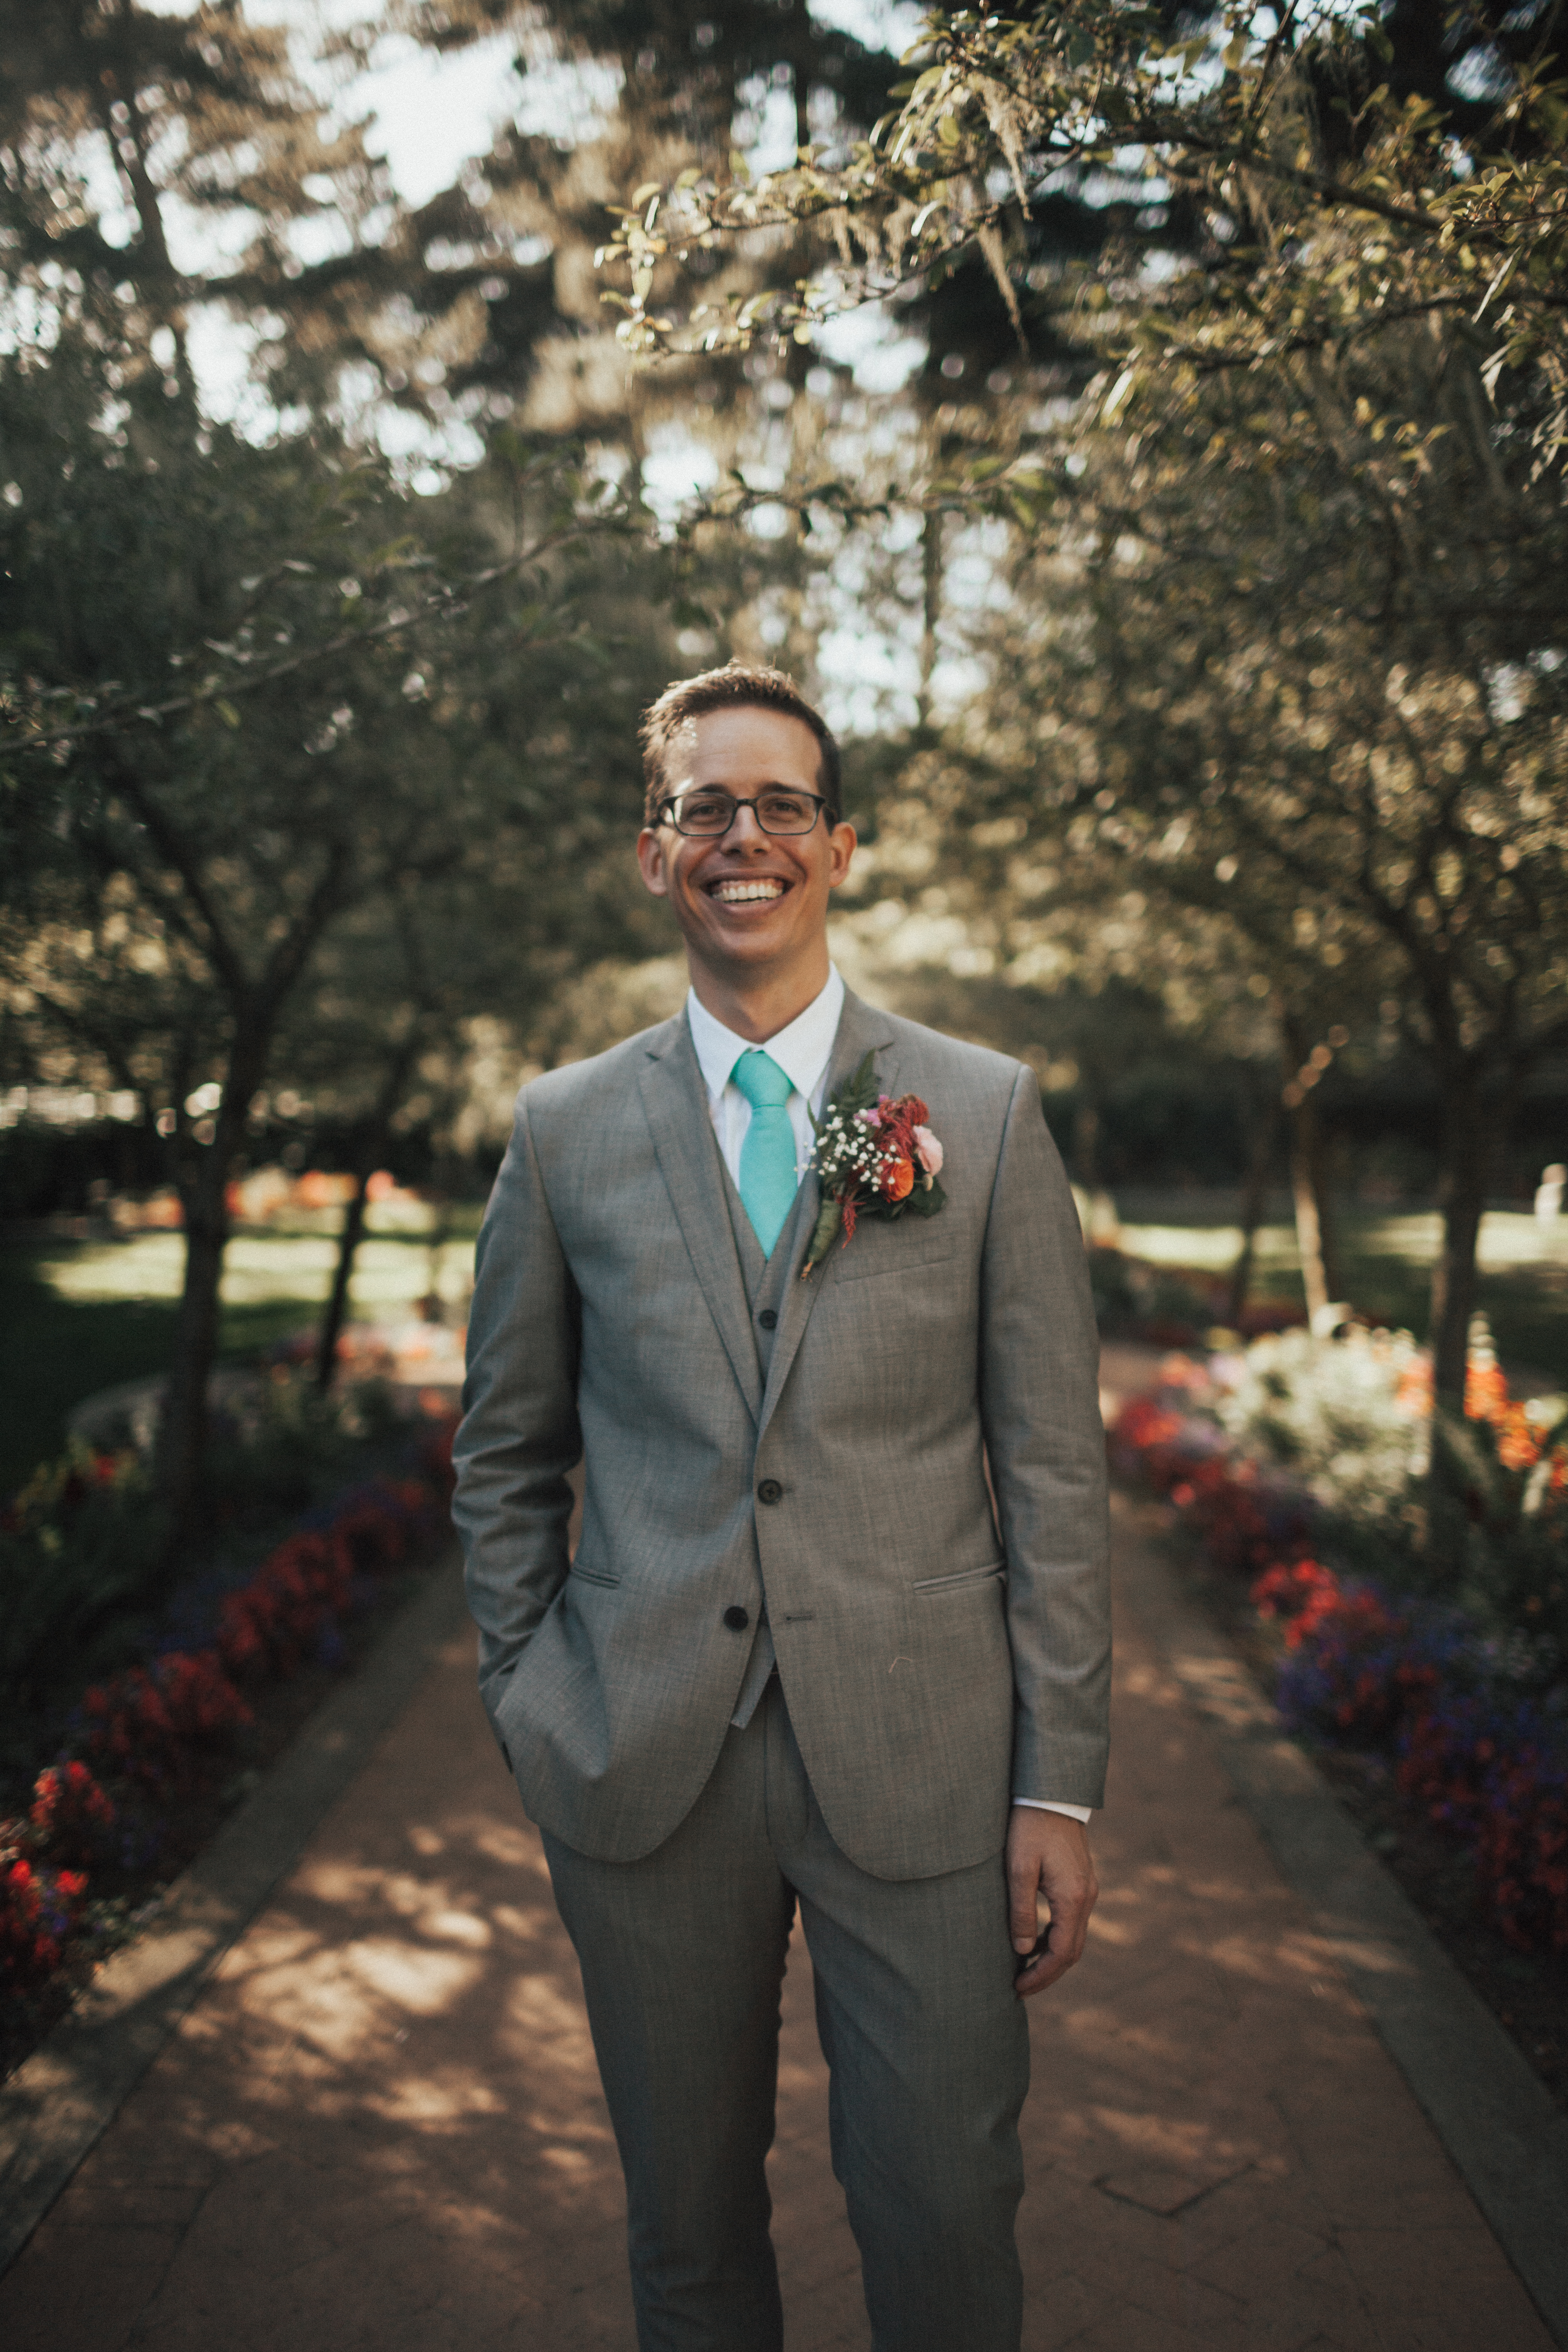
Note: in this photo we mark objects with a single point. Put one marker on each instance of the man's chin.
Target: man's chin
(754, 954)
(739, 950)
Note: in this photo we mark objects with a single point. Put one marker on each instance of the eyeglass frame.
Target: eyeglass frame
(820, 808)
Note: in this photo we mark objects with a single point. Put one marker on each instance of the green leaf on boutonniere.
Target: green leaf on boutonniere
(920, 1202)
(858, 1092)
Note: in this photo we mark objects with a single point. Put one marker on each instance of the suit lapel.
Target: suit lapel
(861, 1031)
(676, 1102)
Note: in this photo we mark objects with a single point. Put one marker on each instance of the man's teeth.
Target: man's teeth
(737, 894)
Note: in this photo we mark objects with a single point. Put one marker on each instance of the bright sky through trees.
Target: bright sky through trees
(434, 113)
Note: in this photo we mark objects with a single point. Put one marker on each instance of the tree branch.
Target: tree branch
(446, 604)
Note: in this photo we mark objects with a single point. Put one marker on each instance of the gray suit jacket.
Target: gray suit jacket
(935, 1653)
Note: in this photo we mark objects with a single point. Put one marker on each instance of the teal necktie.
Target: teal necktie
(767, 1155)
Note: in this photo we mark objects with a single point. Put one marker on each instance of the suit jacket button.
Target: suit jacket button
(770, 1491)
(736, 1619)
(767, 1318)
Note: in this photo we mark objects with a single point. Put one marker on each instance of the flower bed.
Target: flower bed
(1175, 1305)
(139, 1738)
(1463, 1685)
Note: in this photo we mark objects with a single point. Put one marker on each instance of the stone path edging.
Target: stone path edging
(62, 2099)
(1501, 2130)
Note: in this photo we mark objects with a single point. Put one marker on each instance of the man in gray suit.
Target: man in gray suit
(805, 1653)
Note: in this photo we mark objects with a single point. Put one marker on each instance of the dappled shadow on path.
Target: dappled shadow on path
(382, 2125)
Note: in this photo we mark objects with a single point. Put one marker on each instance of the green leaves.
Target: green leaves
(921, 1203)
(1309, 243)
(858, 1092)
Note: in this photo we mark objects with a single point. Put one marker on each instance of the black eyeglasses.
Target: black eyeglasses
(709, 815)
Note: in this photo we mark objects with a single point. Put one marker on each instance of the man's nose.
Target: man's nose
(745, 832)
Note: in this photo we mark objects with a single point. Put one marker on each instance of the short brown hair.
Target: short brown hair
(737, 687)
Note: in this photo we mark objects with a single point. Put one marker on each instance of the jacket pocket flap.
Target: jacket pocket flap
(852, 1270)
(961, 1576)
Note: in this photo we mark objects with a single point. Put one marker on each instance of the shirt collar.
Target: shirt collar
(801, 1050)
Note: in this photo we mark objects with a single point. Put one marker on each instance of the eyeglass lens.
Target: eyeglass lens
(714, 811)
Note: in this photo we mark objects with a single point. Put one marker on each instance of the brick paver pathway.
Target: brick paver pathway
(381, 2125)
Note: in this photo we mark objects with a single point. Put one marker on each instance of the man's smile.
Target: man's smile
(743, 890)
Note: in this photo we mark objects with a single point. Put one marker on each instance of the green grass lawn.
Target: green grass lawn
(1386, 1268)
(79, 1317)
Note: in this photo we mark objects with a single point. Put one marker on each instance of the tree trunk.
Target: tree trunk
(931, 608)
(1472, 1130)
(336, 1310)
(372, 1146)
(182, 1431)
(1254, 1200)
(1309, 1175)
(1308, 1231)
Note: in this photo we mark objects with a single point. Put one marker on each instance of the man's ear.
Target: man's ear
(845, 842)
(651, 858)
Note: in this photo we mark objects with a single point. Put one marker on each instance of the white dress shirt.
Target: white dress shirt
(802, 1051)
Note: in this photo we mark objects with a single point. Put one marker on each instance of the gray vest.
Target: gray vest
(764, 1282)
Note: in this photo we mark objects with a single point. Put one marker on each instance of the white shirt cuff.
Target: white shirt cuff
(1046, 1805)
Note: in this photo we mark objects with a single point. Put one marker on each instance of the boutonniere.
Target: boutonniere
(874, 1157)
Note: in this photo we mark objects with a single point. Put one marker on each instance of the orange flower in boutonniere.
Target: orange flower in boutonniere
(874, 1156)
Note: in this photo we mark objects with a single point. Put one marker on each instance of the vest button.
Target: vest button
(770, 1491)
(767, 1318)
(736, 1619)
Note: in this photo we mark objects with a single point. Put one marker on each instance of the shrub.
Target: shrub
(152, 1722)
(1469, 1691)
(281, 1615)
(1346, 1417)
(81, 1569)
(38, 1909)
(1497, 1774)
(71, 1819)
(1523, 1852)
(281, 1445)
(1352, 1666)
(151, 1725)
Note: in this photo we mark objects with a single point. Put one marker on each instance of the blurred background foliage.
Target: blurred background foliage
(1166, 504)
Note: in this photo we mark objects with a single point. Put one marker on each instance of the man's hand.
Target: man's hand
(1047, 1855)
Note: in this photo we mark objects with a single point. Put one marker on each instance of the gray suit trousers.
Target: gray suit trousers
(683, 1955)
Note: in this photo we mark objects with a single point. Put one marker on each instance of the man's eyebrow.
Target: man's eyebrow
(716, 785)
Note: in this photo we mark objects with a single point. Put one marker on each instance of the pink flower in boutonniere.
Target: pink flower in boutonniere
(874, 1156)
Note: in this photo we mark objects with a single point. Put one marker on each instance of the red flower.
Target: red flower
(39, 1911)
(148, 1722)
(72, 1816)
(279, 1616)
(1142, 1422)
